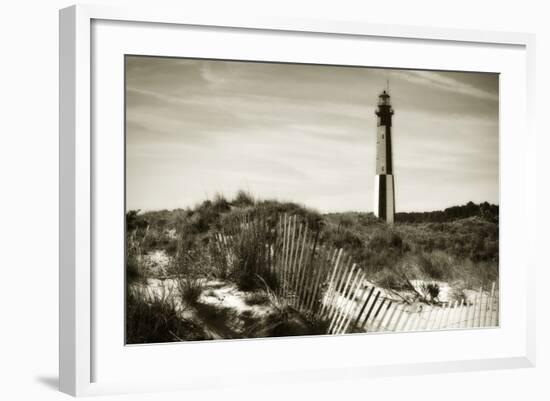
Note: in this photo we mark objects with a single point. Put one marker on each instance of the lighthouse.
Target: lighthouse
(384, 185)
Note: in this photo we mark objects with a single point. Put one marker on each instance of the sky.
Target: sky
(305, 133)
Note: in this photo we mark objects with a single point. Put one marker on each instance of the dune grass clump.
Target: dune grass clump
(245, 247)
(430, 291)
(285, 320)
(252, 267)
(191, 267)
(190, 289)
(135, 272)
(135, 268)
(154, 318)
(243, 199)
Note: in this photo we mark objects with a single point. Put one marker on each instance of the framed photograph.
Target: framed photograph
(280, 200)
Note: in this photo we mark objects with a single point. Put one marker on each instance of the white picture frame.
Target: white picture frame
(78, 225)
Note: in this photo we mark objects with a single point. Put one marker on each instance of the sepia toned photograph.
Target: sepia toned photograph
(272, 199)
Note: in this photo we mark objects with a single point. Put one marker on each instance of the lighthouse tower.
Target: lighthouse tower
(384, 186)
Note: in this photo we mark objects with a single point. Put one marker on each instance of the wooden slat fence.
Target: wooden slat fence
(326, 284)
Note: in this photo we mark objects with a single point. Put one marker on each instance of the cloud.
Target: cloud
(435, 80)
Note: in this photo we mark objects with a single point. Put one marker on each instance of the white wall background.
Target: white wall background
(29, 197)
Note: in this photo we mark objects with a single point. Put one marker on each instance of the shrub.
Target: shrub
(388, 238)
(273, 208)
(432, 267)
(345, 221)
(135, 221)
(202, 221)
(343, 238)
(384, 249)
(220, 204)
(206, 215)
(243, 199)
(484, 210)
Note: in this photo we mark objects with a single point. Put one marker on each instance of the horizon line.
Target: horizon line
(310, 208)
